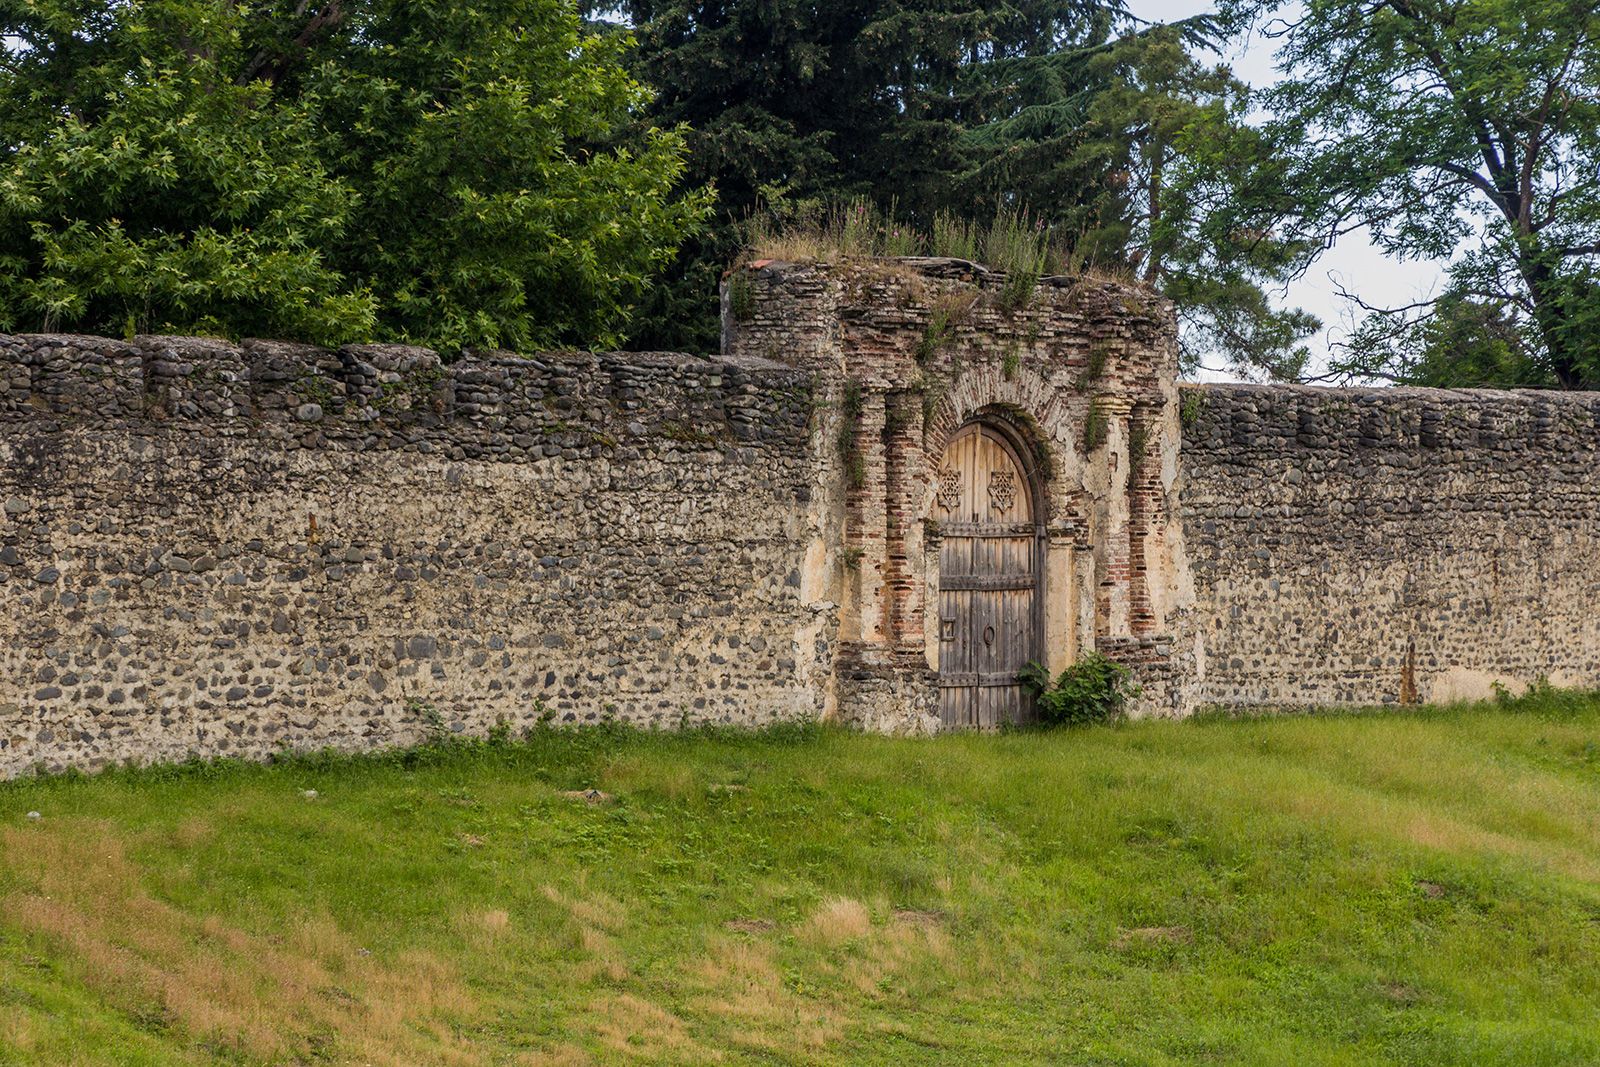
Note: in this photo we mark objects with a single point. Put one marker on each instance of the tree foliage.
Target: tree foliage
(793, 104)
(1170, 139)
(142, 187)
(1067, 110)
(1446, 128)
(1459, 342)
(368, 168)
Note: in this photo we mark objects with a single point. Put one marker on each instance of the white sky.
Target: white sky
(1353, 261)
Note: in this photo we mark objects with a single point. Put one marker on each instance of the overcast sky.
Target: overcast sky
(1354, 262)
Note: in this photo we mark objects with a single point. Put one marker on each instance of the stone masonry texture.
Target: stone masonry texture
(221, 549)
(1373, 546)
(209, 548)
(1079, 373)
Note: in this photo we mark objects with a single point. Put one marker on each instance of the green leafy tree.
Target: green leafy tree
(794, 106)
(1446, 128)
(1458, 341)
(143, 188)
(1168, 138)
(491, 212)
(412, 171)
(1068, 112)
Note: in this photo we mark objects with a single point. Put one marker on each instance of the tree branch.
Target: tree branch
(1355, 298)
(1497, 157)
(1536, 135)
(1345, 376)
(1472, 177)
(270, 64)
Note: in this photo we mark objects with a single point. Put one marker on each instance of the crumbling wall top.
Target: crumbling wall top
(909, 311)
(377, 396)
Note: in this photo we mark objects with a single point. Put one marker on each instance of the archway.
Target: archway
(990, 596)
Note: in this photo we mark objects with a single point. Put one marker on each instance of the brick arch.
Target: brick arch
(1028, 408)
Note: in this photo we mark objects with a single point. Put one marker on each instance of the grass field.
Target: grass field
(1419, 888)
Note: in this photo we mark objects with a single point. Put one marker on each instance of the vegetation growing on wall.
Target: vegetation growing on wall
(945, 313)
(1096, 427)
(855, 464)
(859, 229)
(1094, 365)
(1092, 690)
(1139, 438)
(741, 297)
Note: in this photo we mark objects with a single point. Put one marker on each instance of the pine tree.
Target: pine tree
(792, 105)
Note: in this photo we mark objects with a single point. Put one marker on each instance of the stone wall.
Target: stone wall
(218, 549)
(225, 549)
(1375, 546)
(1079, 371)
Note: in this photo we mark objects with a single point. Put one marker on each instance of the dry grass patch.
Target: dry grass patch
(633, 774)
(641, 1031)
(594, 908)
(592, 797)
(192, 832)
(1152, 935)
(916, 917)
(740, 982)
(896, 954)
(872, 959)
(836, 921)
(1449, 832)
(599, 919)
(288, 997)
(485, 929)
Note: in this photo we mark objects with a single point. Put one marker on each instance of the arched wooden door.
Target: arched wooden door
(988, 580)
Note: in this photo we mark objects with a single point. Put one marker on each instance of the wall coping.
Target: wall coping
(382, 355)
(495, 404)
(1392, 392)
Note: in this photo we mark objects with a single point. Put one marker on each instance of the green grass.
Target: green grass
(1411, 888)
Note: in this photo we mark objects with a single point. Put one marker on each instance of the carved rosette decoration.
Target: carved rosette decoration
(949, 489)
(1002, 489)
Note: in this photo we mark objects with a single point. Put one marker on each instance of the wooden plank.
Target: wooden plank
(951, 528)
(1002, 582)
(988, 585)
(998, 679)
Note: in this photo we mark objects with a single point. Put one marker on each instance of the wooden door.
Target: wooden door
(988, 581)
